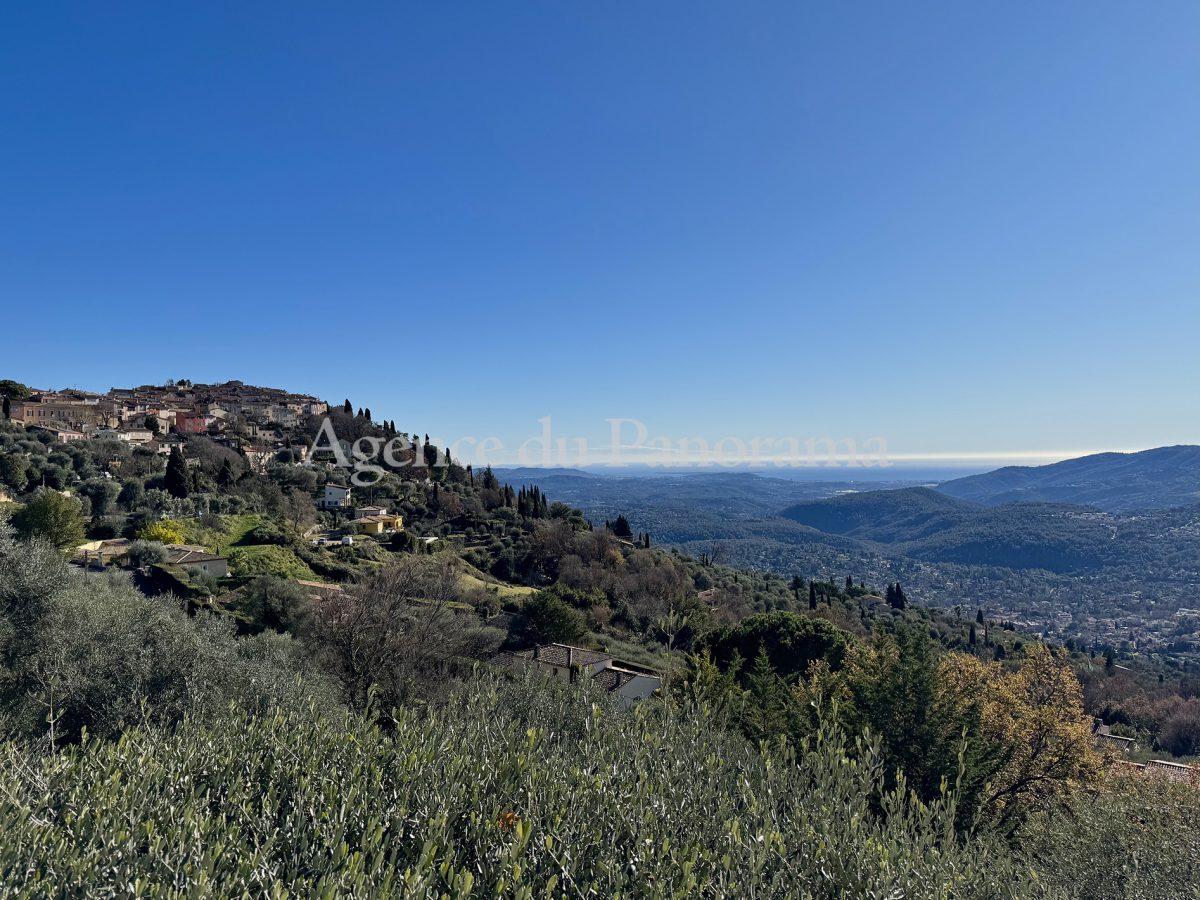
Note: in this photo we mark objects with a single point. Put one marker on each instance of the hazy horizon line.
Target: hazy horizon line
(894, 460)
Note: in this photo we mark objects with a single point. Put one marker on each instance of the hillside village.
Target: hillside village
(158, 417)
(266, 429)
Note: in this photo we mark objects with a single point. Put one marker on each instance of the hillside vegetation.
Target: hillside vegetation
(1115, 482)
(340, 719)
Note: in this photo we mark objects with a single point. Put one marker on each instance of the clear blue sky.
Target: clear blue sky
(964, 228)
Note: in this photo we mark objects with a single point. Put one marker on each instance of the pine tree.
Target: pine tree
(176, 480)
(769, 703)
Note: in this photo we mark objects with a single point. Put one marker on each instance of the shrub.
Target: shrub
(503, 792)
(54, 518)
(164, 531)
(146, 553)
(547, 619)
(1136, 836)
(790, 641)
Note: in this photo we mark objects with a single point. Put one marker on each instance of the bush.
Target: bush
(164, 531)
(107, 657)
(790, 641)
(146, 553)
(51, 517)
(503, 792)
(546, 619)
(1137, 836)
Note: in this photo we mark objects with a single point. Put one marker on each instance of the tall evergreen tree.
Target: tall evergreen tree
(7, 408)
(797, 586)
(979, 617)
(176, 480)
(812, 595)
(770, 706)
(347, 408)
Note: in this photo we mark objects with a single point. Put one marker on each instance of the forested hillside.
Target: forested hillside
(1115, 482)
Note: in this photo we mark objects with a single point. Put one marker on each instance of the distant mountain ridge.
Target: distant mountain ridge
(884, 516)
(1115, 482)
(922, 524)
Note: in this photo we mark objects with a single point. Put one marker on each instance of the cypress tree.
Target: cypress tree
(971, 638)
(979, 617)
(812, 595)
(7, 408)
(176, 480)
(347, 408)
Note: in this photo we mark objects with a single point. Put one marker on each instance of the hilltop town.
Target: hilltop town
(228, 412)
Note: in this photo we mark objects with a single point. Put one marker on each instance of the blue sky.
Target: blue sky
(963, 228)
